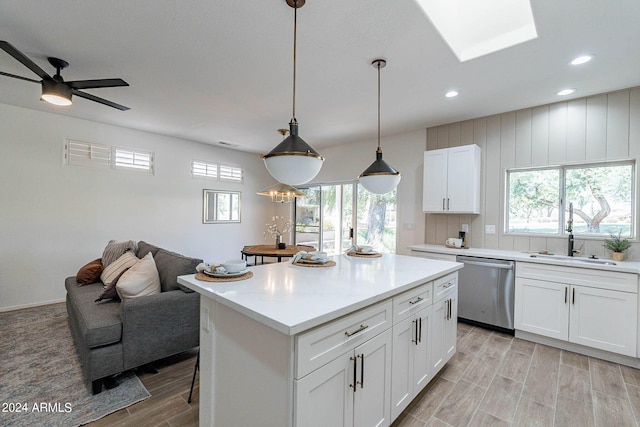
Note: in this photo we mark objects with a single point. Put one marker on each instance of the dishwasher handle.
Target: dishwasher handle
(489, 264)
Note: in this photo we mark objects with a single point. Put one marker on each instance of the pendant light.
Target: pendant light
(282, 193)
(293, 161)
(380, 177)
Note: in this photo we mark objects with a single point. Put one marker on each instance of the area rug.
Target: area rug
(41, 382)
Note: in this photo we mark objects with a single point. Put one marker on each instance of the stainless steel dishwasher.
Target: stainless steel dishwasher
(486, 290)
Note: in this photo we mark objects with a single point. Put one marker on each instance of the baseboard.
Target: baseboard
(35, 304)
(581, 349)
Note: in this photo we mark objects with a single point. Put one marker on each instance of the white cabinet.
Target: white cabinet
(352, 390)
(570, 305)
(451, 180)
(445, 321)
(434, 255)
(411, 368)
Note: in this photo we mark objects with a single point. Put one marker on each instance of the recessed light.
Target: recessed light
(565, 92)
(451, 94)
(582, 59)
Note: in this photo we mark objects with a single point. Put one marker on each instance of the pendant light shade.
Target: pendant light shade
(380, 177)
(293, 161)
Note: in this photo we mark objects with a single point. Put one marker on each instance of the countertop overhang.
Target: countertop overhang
(620, 266)
(292, 299)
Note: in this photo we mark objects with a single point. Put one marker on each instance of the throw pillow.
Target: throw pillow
(114, 250)
(140, 280)
(170, 266)
(144, 248)
(114, 269)
(89, 273)
(109, 291)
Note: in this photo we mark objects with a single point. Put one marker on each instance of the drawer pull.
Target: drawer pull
(417, 300)
(448, 285)
(360, 329)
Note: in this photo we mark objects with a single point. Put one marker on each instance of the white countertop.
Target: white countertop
(620, 266)
(292, 299)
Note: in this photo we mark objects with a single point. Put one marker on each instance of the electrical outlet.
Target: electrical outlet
(204, 319)
(490, 229)
(465, 228)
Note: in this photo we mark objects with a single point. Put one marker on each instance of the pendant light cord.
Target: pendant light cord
(378, 67)
(295, 27)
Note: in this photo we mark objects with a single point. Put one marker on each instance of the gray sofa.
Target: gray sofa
(114, 336)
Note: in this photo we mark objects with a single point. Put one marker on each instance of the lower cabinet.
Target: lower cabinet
(352, 390)
(592, 314)
(445, 325)
(411, 359)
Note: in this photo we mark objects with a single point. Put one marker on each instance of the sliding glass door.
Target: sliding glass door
(325, 218)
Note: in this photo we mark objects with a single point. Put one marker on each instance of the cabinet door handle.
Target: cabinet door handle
(447, 203)
(355, 370)
(415, 301)
(573, 296)
(415, 333)
(566, 289)
(361, 356)
(446, 309)
(443, 205)
(360, 329)
(420, 332)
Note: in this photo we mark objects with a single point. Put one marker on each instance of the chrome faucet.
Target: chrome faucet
(570, 250)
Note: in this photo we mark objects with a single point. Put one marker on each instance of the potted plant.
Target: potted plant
(617, 245)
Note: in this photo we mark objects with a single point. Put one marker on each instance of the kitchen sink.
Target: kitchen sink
(574, 259)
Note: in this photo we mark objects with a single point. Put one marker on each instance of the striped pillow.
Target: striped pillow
(113, 270)
(114, 250)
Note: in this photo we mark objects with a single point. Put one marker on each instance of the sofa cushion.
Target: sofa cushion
(90, 273)
(140, 280)
(144, 248)
(113, 270)
(98, 326)
(114, 250)
(109, 291)
(170, 266)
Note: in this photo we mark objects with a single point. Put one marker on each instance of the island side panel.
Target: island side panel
(246, 375)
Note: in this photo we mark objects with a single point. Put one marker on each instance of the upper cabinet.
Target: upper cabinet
(452, 180)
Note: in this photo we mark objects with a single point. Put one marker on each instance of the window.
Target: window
(81, 153)
(230, 173)
(208, 170)
(221, 206)
(215, 170)
(133, 160)
(601, 195)
(334, 217)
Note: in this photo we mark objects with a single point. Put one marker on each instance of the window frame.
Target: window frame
(562, 215)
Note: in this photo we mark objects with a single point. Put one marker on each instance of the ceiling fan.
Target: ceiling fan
(54, 89)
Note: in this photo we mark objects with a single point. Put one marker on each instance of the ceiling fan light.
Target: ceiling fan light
(56, 93)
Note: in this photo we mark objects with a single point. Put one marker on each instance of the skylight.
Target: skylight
(475, 28)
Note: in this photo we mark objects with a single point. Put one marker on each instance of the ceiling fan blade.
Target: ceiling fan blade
(99, 100)
(90, 84)
(8, 47)
(19, 77)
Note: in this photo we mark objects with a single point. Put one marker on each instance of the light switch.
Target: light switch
(465, 228)
(490, 229)
(409, 226)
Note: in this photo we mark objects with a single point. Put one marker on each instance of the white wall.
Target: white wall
(596, 128)
(402, 151)
(55, 218)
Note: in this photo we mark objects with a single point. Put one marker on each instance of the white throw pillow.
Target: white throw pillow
(113, 270)
(140, 280)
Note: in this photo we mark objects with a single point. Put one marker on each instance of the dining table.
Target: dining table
(272, 251)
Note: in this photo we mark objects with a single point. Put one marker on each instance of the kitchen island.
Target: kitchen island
(289, 345)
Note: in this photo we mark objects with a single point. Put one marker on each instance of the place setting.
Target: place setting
(228, 271)
(312, 259)
(361, 251)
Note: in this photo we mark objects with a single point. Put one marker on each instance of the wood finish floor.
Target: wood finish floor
(498, 380)
(492, 380)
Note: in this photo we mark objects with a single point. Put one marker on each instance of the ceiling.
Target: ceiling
(221, 70)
